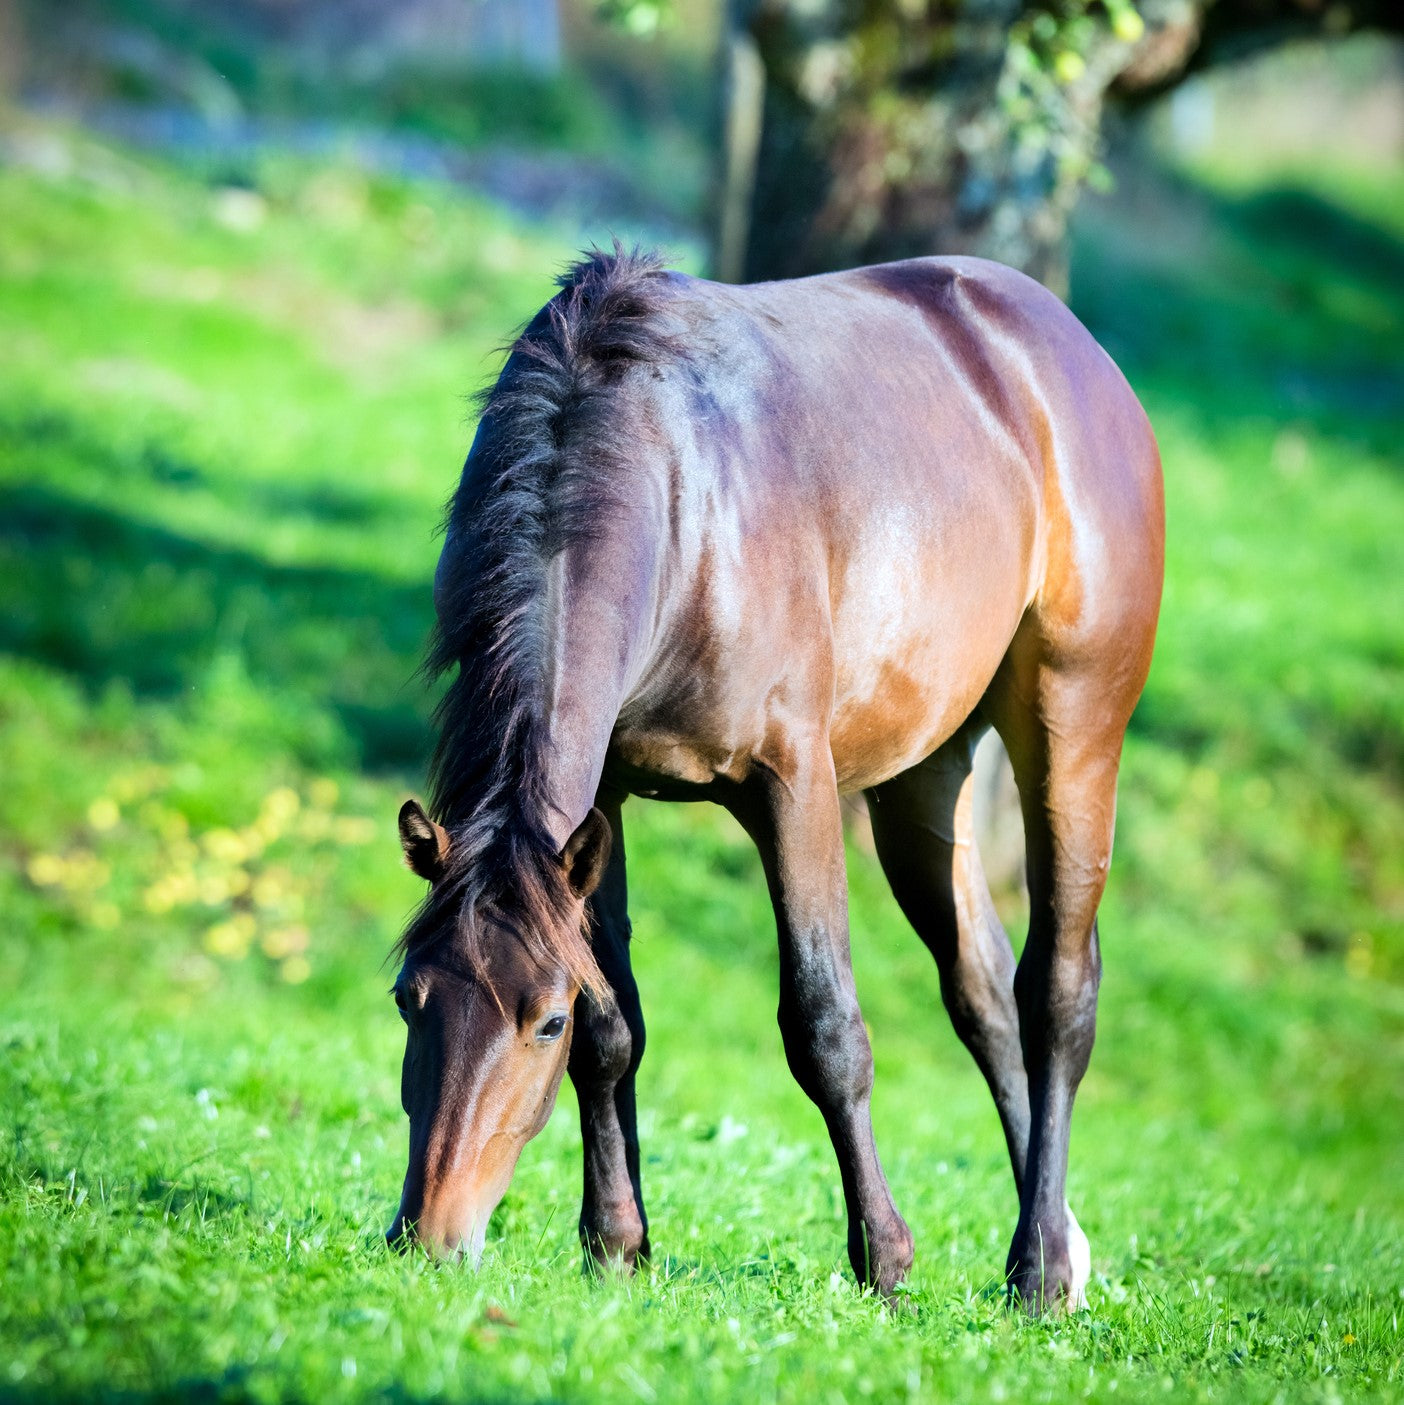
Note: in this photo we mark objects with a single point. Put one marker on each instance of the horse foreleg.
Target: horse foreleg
(606, 1046)
(795, 822)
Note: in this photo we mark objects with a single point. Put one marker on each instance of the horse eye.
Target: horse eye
(552, 1028)
(400, 1003)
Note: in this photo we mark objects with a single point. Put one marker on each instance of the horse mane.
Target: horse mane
(546, 460)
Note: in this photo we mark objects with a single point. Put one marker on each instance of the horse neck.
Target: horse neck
(604, 598)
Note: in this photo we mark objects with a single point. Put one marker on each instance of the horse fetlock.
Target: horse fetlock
(1048, 1266)
(881, 1252)
(614, 1238)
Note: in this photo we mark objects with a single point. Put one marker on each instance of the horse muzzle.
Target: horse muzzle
(455, 1242)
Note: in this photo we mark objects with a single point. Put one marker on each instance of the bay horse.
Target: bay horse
(767, 545)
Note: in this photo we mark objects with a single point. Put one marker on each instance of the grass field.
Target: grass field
(228, 416)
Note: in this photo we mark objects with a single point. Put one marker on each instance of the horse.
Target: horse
(768, 545)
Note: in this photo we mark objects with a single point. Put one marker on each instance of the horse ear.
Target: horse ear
(425, 843)
(586, 853)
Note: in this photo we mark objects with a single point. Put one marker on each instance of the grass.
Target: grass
(226, 425)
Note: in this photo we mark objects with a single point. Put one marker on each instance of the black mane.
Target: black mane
(538, 474)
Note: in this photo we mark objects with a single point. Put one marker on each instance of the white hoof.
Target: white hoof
(1080, 1258)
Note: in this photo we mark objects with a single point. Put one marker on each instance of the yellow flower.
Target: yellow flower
(158, 897)
(286, 941)
(323, 793)
(83, 871)
(295, 970)
(185, 887)
(1127, 25)
(214, 889)
(280, 805)
(181, 853)
(104, 916)
(1348, 1339)
(225, 845)
(45, 870)
(270, 887)
(355, 829)
(134, 785)
(231, 939)
(103, 813)
(253, 840)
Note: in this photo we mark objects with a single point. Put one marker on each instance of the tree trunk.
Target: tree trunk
(11, 50)
(894, 128)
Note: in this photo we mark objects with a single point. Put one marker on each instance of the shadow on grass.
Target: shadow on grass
(63, 439)
(236, 1385)
(1297, 218)
(108, 598)
(171, 1196)
(1278, 305)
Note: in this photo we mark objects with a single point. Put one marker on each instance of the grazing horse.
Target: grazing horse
(763, 546)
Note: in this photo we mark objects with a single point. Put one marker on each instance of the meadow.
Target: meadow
(231, 405)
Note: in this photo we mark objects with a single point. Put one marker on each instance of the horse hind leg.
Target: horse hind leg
(924, 831)
(1062, 714)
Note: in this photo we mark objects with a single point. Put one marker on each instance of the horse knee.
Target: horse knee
(827, 1049)
(608, 1045)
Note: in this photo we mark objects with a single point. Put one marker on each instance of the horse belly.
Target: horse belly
(913, 659)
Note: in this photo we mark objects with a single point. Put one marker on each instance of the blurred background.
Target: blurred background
(255, 256)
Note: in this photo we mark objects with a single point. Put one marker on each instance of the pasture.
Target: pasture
(231, 404)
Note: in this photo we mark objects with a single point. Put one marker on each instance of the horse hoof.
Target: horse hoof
(1038, 1294)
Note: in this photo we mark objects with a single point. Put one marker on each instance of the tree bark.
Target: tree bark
(11, 49)
(894, 128)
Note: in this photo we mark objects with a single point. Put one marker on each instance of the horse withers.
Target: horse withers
(764, 546)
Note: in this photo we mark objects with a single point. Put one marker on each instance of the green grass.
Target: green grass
(222, 453)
